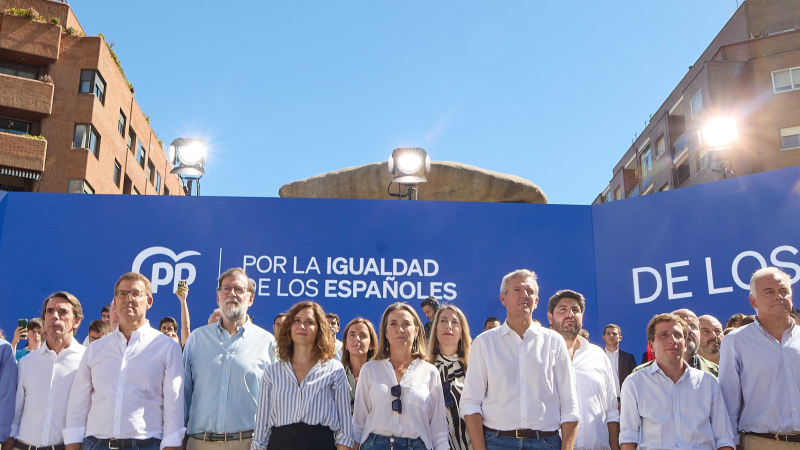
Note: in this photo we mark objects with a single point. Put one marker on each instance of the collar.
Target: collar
(143, 330)
(615, 352)
(240, 329)
(534, 328)
(583, 347)
(73, 347)
(655, 368)
(765, 333)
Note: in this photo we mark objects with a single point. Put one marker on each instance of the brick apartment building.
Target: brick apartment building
(750, 73)
(69, 121)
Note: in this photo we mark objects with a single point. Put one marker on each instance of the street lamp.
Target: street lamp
(719, 135)
(409, 166)
(189, 158)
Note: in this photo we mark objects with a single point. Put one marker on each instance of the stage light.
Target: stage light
(720, 132)
(189, 158)
(409, 166)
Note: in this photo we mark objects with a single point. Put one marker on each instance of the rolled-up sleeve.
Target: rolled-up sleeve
(630, 420)
(173, 399)
(730, 383)
(475, 382)
(720, 421)
(80, 401)
(343, 434)
(8, 390)
(565, 384)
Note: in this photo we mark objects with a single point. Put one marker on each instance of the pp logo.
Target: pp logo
(170, 274)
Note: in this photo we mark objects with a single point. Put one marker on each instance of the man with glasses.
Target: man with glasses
(128, 391)
(760, 367)
(669, 404)
(224, 363)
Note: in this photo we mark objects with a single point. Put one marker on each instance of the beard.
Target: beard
(233, 311)
(568, 330)
(691, 348)
(710, 348)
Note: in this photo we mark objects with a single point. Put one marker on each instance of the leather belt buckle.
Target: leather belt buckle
(111, 443)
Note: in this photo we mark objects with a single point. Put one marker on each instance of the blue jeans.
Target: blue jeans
(89, 445)
(496, 441)
(378, 442)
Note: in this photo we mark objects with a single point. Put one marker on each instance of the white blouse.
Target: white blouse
(423, 413)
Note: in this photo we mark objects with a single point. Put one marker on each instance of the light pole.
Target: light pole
(189, 158)
(719, 135)
(409, 166)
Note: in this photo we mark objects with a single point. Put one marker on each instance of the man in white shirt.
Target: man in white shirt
(46, 376)
(759, 367)
(622, 363)
(669, 405)
(598, 428)
(520, 385)
(129, 388)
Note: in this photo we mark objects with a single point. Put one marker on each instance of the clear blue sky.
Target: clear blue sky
(281, 91)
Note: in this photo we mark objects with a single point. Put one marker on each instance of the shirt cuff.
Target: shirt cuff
(613, 416)
(356, 433)
(467, 409)
(74, 435)
(345, 440)
(570, 418)
(173, 440)
(629, 438)
(14, 431)
(724, 442)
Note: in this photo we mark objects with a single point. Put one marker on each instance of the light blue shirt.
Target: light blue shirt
(223, 376)
(8, 389)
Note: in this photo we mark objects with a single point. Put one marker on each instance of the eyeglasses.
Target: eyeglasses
(397, 404)
(666, 335)
(449, 400)
(238, 290)
(125, 294)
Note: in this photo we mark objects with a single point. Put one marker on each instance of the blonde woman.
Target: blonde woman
(360, 344)
(399, 403)
(448, 350)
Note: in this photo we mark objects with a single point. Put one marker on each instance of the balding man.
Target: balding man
(760, 368)
(711, 333)
(690, 355)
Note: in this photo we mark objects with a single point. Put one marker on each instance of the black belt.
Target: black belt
(23, 446)
(776, 437)
(522, 434)
(223, 437)
(123, 443)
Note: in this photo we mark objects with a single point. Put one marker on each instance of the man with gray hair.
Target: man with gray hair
(520, 386)
(224, 363)
(760, 368)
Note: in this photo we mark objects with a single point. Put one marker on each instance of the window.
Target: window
(790, 138)
(158, 182)
(19, 70)
(131, 139)
(79, 187)
(646, 162)
(15, 126)
(93, 83)
(140, 153)
(166, 190)
(150, 171)
(663, 188)
(702, 160)
(661, 146)
(117, 172)
(697, 103)
(617, 193)
(135, 191)
(607, 196)
(121, 126)
(786, 80)
(86, 137)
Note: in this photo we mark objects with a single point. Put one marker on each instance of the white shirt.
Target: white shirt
(597, 399)
(760, 379)
(520, 383)
(423, 404)
(658, 414)
(338, 346)
(128, 390)
(45, 380)
(614, 358)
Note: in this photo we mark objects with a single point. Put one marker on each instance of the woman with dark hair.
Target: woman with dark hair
(448, 350)
(399, 403)
(360, 342)
(303, 403)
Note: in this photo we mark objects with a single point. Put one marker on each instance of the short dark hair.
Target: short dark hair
(106, 308)
(562, 294)
(734, 320)
(432, 302)
(35, 323)
(667, 317)
(98, 326)
(611, 325)
(491, 319)
(333, 316)
(748, 320)
(278, 317)
(168, 320)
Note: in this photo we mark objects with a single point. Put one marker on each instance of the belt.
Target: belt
(23, 446)
(223, 437)
(776, 437)
(123, 443)
(522, 434)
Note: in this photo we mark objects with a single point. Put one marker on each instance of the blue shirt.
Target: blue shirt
(21, 352)
(323, 398)
(222, 377)
(8, 389)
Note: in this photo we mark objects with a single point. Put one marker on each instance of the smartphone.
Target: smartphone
(181, 285)
(23, 323)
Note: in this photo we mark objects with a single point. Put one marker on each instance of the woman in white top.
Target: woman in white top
(399, 403)
(304, 403)
(360, 344)
(448, 350)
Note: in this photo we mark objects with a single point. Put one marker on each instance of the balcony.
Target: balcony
(26, 95)
(22, 152)
(634, 192)
(679, 145)
(27, 36)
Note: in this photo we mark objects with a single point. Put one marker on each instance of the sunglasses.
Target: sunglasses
(449, 400)
(397, 404)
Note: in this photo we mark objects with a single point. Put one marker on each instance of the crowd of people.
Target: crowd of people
(233, 385)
